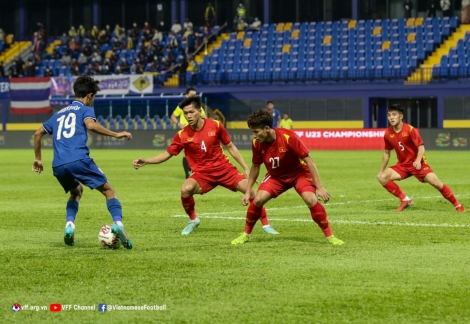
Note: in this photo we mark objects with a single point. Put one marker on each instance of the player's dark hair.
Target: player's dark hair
(195, 101)
(270, 102)
(397, 107)
(260, 119)
(189, 90)
(84, 85)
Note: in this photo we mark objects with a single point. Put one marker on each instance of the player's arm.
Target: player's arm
(157, 159)
(321, 191)
(385, 159)
(419, 157)
(252, 176)
(37, 165)
(174, 118)
(235, 153)
(95, 127)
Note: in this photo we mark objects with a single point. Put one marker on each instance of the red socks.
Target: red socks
(252, 215)
(188, 205)
(394, 189)
(264, 215)
(447, 194)
(318, 213)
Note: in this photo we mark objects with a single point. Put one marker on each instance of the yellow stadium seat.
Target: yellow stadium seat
(377, 31)
(411, 37)
(352, 24)
(280, 27)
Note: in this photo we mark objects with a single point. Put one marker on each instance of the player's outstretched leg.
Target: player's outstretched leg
(267, 228)
(386, 178)
(445, 191)
(188, 205)
(115, 208)
(72, 210)
(252, 215)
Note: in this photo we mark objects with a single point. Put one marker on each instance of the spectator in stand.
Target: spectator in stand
(90, 70)
(162, 27)
(2, 35)
(64, 39)
(172, 40)
(147, 26)
(135, 29)
(256, 25)
(286, 122)
(95, 33)
(30, 68)
(82, 60)
(20, 66)
(176, 28)
(187, 32)
(73, 45)
(66, 59)
(74, 68)
(157, 36)
(107, 29)
(81, 33)
(2, 70)
(408, 6)
(431, 9)
(194, 71)
(72, 32)
(48, 72)
(209, 14)
(188, 25)
(241, 25)
(446, 8)
(241, 11)
(465, 11)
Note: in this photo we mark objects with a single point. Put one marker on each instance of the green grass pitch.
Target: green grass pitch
(409, 267)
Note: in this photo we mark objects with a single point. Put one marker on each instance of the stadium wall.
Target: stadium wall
(327, 139)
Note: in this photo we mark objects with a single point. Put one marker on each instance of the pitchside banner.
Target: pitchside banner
(371, 139)
(109, 84)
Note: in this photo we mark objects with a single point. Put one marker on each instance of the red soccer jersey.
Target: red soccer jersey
(405, 143)
(202, 148)
(283, 157)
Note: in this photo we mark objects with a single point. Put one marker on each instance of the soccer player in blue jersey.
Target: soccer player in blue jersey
(72, 165)
(276, 114)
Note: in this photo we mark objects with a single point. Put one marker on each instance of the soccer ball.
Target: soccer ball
(108, 239)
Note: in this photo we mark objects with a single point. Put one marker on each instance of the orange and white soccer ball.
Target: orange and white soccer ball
(108, 239)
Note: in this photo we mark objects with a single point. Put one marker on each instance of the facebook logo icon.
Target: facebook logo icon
(101, 307)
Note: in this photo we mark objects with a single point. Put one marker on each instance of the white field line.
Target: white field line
(216, 215)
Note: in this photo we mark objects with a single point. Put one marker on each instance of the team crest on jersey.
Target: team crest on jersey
(405, 134)
(189, 139)
(425, 168)
(392, 135)
(282, 149)
(211, 133)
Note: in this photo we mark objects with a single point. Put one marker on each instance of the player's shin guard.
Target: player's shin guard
(72, 210)
(394, 189)
(318, 213)
(115, 209)
(449, 195)
(188, 205)
(264, 215)
(252, 215)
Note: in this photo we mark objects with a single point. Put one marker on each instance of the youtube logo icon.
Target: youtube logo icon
(55, 307)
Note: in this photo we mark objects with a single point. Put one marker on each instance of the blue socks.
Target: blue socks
(72, 210)
(115, 209)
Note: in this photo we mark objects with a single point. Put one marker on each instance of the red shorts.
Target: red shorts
(406, 170)
(229, 178)
(303, 182)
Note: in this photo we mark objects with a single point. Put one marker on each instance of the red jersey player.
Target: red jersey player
(201, 141)
(405, 140)
(289, 165)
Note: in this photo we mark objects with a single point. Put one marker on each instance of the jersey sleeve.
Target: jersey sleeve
(176, 145)
(257, 156)
(417, 140)
(223, 134)
(47, 125)
(297, 145)
(89, 113)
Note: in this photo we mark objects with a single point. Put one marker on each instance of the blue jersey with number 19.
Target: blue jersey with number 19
(69, 133)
